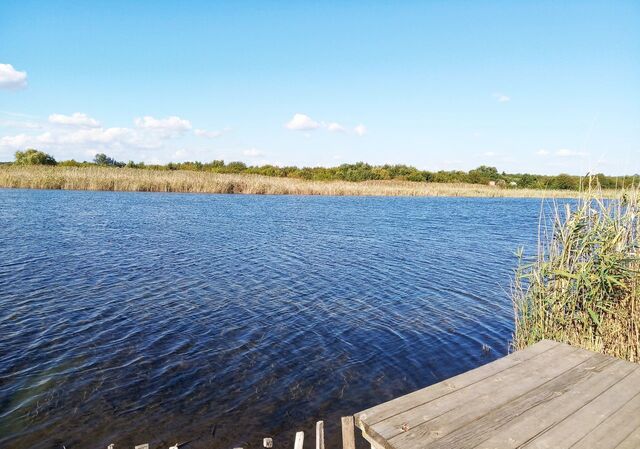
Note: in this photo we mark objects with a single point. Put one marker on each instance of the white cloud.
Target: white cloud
(11, 78)
(18, 141)
(301, 122)
(150, 139)
(169, 124)
(20, 124)
(565, 152)
(335, 127)
(180, 154)
(502, 98)
(75, 119)
(102, 136)
(124, 136)
(17, 114)
(207, 134)
(490, 153)
(253, 152)
(360, 130)
(562, 153)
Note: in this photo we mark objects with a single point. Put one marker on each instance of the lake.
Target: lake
(222, 319)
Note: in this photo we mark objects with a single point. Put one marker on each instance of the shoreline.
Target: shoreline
(185, 181)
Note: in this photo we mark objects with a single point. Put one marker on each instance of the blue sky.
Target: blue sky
(529, 86)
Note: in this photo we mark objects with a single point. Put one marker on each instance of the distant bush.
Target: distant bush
(71, 163)
(34, 157)
(564, 182)
(361, 171)
(132, 164)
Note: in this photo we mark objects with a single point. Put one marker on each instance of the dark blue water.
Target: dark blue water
(161, 318)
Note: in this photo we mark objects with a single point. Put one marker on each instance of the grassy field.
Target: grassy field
(583, 286)
(136, 180)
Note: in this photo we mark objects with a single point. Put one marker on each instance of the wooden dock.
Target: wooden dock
(550, 396)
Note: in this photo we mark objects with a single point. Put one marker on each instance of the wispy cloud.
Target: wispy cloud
(561, 153)
(501, 98)
(360, 130)
(78, 135)
(20, 124)
(208, 134)
(169, 124)
(11, 78)
(565, 152)
(17, 114)
(75, 119)
(253, 152)
(302, 122)
(453, 162)
(336, 127)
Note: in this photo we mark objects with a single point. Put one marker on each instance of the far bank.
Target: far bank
(186, 181)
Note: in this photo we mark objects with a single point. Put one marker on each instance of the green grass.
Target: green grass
(582, 287)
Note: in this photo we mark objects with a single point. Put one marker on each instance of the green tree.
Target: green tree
(527, 181)
(564, 182)
(103, 159)
(34, 157)
(234, 167)
(132, 164)
(483, 174)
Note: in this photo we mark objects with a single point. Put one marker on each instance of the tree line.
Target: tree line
(359, 171)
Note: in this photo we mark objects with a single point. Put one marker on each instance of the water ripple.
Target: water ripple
(131, 317)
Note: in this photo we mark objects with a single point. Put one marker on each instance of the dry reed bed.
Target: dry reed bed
(136, 180)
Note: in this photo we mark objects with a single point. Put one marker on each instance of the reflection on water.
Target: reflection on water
(160, 318)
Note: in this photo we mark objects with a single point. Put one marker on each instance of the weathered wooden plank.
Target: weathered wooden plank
(559, 397)
(391, 408)
(374, 444)
(525, 426)
(299, 442)
(572, 429)
(384, 430)
(477, 420)
(348, 433)
(509, 383)
(614, 429)
(320, 435)
(632, 441)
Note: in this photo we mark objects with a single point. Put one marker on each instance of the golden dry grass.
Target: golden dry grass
(136, 180)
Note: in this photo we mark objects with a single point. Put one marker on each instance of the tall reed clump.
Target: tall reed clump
(583, 288)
